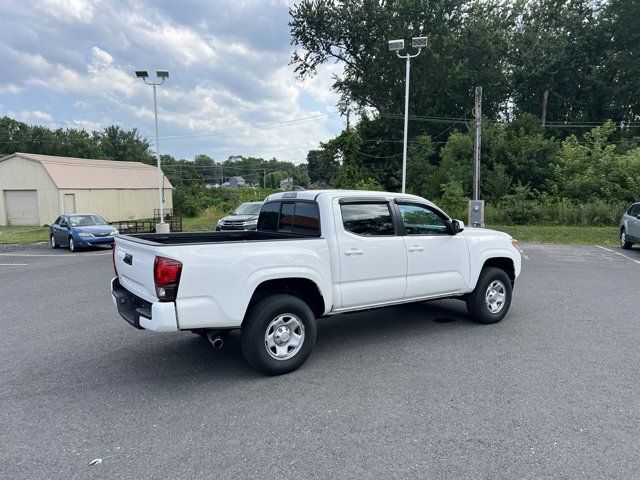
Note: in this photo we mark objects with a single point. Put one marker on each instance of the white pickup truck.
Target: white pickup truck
(314, 254)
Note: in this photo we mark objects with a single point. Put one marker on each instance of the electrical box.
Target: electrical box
(476, 213)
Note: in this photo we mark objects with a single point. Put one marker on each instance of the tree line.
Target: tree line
(567, 63)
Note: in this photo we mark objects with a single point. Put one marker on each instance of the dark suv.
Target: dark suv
(630, 226)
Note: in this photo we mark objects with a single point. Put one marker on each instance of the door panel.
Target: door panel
(373, 267)
(438, 262)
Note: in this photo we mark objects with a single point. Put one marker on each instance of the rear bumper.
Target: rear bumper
(156, 316)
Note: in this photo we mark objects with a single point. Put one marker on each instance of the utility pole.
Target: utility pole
(476, 150)
(476, 206)
(545, 97)
(264, 178)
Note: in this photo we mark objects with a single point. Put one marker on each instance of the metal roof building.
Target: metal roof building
(36, 189)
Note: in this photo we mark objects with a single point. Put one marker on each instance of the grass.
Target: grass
(11, 234)
(205, 222)
(561, 234)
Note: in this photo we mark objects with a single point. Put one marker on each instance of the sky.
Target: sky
(231, 91)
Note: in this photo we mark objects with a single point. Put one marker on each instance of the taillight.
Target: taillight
(166, 276)
(113, 258)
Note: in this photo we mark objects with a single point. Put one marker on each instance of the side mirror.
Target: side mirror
(231, 212)
(457, 226)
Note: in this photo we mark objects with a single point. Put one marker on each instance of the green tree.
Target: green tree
(420, 171)
(124, 145)
(593, 170)
(556, 46)
(322, 166)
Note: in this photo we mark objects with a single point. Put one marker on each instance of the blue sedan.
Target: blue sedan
(81, 230)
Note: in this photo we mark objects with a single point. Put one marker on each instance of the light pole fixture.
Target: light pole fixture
(162, 75)
(397, 46)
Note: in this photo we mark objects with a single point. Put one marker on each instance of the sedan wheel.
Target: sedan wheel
(72, 244)
(54, 244)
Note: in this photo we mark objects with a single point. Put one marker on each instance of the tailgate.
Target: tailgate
(134, 262)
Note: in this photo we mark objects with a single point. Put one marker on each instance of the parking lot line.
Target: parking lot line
(13, 264)
(621, 254)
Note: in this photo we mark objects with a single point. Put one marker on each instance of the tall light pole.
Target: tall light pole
(396, 46)
(162, 75)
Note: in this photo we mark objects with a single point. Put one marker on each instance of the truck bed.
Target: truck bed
(196, 238)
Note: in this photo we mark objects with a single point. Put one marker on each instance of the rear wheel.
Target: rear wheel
(624, 242)
(490, 300)
(278, 334)
(54, 244)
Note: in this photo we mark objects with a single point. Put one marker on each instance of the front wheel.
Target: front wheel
(490, 300)
(72, 245)
(624, 242)
(278, 334)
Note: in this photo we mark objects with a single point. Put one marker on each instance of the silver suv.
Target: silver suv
(630, 226)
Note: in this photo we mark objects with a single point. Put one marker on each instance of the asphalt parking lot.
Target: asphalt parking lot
(416, 391)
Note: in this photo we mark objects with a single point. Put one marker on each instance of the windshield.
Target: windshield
(86, 220)
(248, 209)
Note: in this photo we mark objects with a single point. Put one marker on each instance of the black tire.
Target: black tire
(54, 243)
(624, 243)
(72, 245)
(254, 328)
(476, 301)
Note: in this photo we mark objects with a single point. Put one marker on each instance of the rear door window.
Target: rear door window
(368, 219)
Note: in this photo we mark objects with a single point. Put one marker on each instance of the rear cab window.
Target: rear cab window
(297, 217)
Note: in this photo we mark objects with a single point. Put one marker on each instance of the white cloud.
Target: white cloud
(228, 63)
(10, 88)
(31, 115)
(68, 10)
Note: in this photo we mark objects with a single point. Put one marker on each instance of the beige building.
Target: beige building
(36, 189)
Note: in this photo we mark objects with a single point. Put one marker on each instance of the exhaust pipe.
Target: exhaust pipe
(215, 340)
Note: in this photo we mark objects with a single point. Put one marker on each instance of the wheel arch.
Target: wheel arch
(501, 261)
(303, 288)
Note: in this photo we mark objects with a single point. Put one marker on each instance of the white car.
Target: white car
(314, 254)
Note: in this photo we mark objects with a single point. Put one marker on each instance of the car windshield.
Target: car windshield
(86, 220)
(248, 209)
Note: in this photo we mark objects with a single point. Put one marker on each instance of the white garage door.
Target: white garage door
(22, 207)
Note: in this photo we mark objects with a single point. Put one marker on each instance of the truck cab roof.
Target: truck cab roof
(314, 194)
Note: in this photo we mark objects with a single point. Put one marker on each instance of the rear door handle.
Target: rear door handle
(354, 251)
(416, 248)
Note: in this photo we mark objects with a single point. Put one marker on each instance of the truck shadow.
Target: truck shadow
(364, 334)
